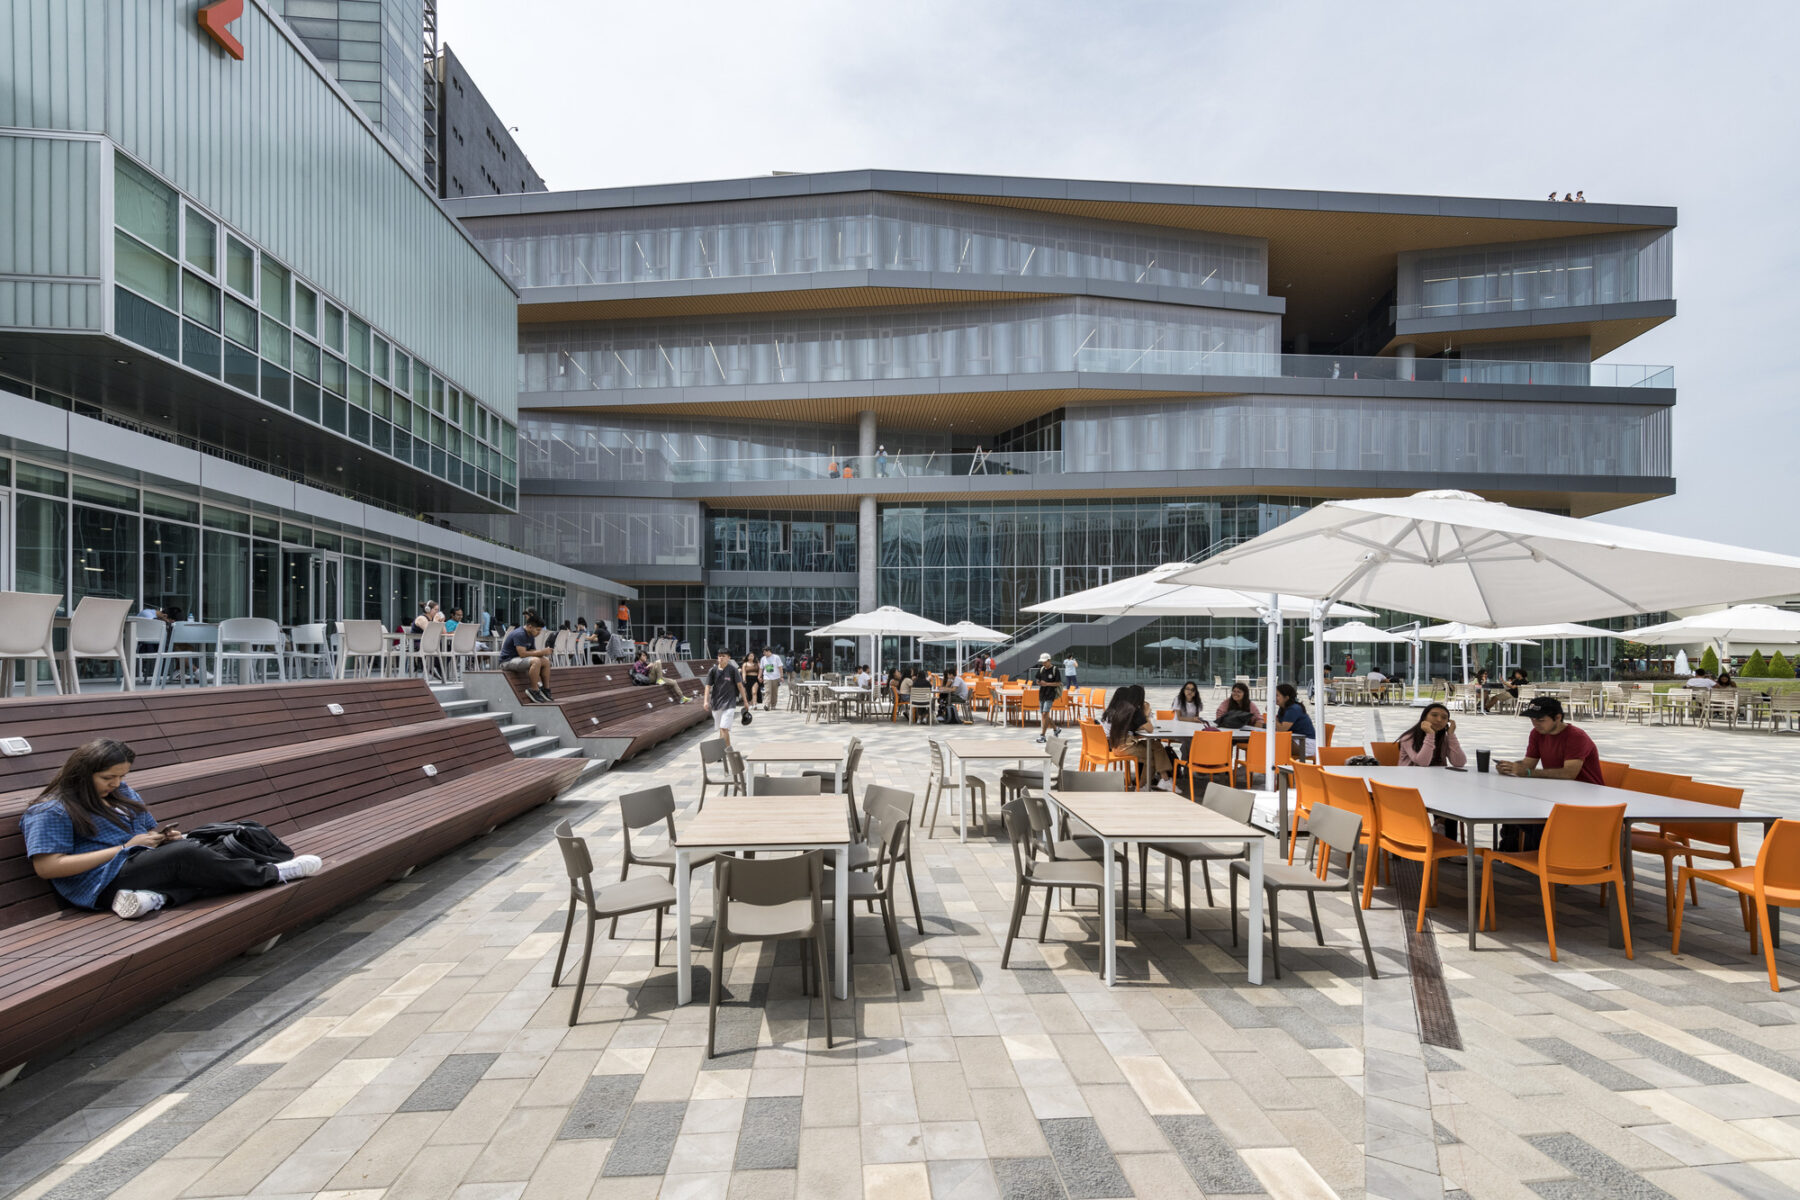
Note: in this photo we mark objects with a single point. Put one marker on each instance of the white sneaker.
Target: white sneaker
(299, 867)
(132, 905)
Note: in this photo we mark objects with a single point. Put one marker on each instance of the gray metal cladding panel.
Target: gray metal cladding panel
(47, 86)
(43, 304)
(275, 151)
(49, 207)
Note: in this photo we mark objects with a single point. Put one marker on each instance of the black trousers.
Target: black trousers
(185, 870)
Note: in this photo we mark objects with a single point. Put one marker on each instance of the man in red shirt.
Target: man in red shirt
(1556, 749)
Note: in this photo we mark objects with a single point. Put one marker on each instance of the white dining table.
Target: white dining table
(1119, 819)
(1476, 798)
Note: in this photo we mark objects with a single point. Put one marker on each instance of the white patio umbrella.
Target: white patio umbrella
(969, 631)
(1234, 642)
(1459, 634)
(1762, 624)
(1154, 594)
(886, 621)
(1359, 631)
(1455, 556)
(1175, 643)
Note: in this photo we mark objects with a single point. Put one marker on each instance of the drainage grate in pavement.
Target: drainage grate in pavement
(1437, 1021)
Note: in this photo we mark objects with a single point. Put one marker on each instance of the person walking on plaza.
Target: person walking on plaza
(1047, 677)
(771, 675)
(724, 691)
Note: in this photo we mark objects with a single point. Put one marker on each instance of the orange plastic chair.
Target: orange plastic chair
(981, 696)
(1652, 783)
(1209, 753)
(1774, 882)
(1580, 846)
(1062, 709)
(1351, 793)
(1028, 704)
(1329, 731)
(1096, 755)
(1251, 754)
(1406, 832)
(1717, 840)
(1165, 714)
(1386, 753)
(1309, 789)
(1612, 774)
(1338, 756)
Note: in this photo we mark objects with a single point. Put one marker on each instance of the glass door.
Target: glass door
(300, 585)
(6, 541)
(329, 605)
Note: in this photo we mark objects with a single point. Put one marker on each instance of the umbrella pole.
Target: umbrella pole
(1465, 658)
(1318, 690)
(1273, 617)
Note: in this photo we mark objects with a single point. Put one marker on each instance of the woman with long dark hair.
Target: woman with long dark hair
(1187, 702)
(1431, 742)
(1239, 701)
(1125, 717)
(94, 839)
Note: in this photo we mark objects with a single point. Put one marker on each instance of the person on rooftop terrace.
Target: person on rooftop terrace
(94, 839)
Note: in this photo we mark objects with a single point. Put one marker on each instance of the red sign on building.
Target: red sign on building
(215, 18)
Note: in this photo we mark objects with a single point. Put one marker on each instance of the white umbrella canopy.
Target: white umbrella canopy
(1455, 556)
(1357, 631)
(968, 631)
(1150, 595)
(886, 621)
(1474, 635)
(1234, 642)
(1175, 643)
(1760, 623)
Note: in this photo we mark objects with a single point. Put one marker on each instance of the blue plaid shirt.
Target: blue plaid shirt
(48, 830)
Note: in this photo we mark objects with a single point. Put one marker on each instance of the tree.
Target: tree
(1780, 667)
(1709, 662)
(1757, 667)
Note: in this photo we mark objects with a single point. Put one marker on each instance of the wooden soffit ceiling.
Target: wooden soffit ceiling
(1331, 267)
(1603, 336)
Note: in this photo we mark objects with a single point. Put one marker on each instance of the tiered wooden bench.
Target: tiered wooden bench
(597, 704)
(350, 787)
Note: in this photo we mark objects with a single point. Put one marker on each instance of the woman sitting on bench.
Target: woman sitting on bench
(94, 839)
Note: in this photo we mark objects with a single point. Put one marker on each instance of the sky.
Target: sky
(1683, 104)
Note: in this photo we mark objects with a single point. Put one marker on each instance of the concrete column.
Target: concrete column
(866, 549)
(867, 534)
(1302, 344)
(1406, 352)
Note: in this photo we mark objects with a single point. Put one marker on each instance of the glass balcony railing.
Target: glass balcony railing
(824, 467)
(1325, 366)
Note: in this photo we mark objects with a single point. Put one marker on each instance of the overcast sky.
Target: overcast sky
(1685, 104)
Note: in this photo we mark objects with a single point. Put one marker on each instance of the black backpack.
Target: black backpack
(1235, 718)
(243, 839)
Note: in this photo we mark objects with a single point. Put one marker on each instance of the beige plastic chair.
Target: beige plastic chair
(891, 823)
(939, 781)
(1333, 829)
(864, 857)
(643, 894)
(260, 642)
(1235, 803)
(827, 776)
(1015, 781)
(645, 810)
(789, 785)
(433, 650)
(365, 640)
(770, 900)
(1060, 846)
(27, 634)
(712, 753)
(1029, 873)
(97, 631)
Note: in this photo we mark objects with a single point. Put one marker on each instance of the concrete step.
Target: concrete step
(531, 746)
(463, 708)
(446, 692)
(514, 730)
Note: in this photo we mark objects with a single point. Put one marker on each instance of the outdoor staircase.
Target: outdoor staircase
(524, 738)
(1060, 635)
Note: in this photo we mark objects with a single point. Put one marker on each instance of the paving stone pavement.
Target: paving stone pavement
(411, 1045)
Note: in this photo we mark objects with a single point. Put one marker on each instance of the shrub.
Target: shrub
(1756, 667)
(1780, 667)
(1709, 662)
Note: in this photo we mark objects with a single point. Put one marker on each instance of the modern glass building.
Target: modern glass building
(381, 52)
(768, 402)
(244, 351)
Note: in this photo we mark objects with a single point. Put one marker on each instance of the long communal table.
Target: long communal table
(1477, 798)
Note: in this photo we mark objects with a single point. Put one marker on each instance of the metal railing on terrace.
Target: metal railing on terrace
(1327, 366)
(823, 468)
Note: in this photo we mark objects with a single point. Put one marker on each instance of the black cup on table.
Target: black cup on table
(1482, 758)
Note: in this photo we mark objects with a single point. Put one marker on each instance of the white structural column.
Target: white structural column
(866, 531)
(1405, 354)
(1273, 618)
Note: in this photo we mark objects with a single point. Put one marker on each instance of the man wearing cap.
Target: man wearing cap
(1556, 749)
(1047, 677)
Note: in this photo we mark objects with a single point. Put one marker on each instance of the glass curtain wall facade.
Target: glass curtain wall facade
(373, 48)
(806, 235)
(78, 535)
(1611, 268)
(1027, 337)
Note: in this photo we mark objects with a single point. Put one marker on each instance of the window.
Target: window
(331, 326)
(202, 249)
(199, 300)
(274, 289)
(306, 309)
(144, 205)
(240, 267)
(143, 270)
(240, 322)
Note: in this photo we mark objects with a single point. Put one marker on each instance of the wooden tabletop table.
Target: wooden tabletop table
(774, 823)
(832, 754)
(964, 750)
(1124, 817)
(1477, 798)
